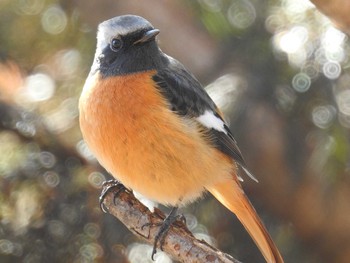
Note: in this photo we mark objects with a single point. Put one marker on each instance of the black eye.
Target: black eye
(116, 44)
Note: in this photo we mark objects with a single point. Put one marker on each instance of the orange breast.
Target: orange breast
(127, 124)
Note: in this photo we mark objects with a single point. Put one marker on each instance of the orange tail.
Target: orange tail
(231, 195)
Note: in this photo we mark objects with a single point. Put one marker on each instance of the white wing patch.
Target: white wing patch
(209, 120)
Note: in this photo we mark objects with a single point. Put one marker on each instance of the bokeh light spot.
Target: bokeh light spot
(296, 9)
(331, 69)
(332, 39)
(26, 128)
(142, 253)
(344, 120)
(224, 90)
(54, 20)
(320, 56)
(91, 251)
(47, 159)
(241, 14)
(63, 117)
(30, 7)
(51, 178)
(293, 40)
(92, 230)
(337, 54)
(96, 179)
(298, 58)
(211, 5)
(68, 62)
(273, 22)
(301, 82)
(39, 87)
(14, 153)
(322, 116)
(311, 70)
(343, 100)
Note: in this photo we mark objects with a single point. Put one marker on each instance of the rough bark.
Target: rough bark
(179, 242)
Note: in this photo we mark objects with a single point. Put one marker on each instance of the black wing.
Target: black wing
(188, 99)
(182, 90)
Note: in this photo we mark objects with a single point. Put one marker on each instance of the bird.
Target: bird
(153, 127)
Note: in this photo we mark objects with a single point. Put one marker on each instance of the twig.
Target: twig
(179, 243)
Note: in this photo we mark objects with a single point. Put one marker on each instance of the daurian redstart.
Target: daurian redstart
(150, 123)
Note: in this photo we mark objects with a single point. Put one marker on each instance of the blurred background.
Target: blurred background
(279, 69)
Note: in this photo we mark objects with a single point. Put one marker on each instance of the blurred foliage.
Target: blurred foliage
(281, 75)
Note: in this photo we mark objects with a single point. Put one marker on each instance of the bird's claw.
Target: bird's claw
(107, 186)
(164, 228)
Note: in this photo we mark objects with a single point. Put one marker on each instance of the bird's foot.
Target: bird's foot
(107, 186)
(170, 220)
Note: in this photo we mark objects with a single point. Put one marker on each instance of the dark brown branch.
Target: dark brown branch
(179, 243)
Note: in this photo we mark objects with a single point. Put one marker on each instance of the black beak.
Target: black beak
(151, 34)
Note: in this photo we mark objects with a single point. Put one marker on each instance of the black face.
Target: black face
(125, 55)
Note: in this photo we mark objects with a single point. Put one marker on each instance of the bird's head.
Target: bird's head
(125, 44)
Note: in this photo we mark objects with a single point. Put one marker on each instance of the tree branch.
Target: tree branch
(179, 243)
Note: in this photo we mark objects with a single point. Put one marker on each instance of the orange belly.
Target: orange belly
(128, 126)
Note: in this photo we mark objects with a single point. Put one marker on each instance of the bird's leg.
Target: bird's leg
(164, 228)
(107, 186)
